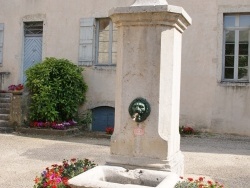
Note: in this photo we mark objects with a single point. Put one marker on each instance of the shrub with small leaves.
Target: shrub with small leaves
(57, 89)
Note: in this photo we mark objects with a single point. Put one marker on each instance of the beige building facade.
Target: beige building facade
(215, 92)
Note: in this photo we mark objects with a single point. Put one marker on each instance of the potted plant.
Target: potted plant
(16, 89)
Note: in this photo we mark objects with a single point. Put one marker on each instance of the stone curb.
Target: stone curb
(50, 132)
(68, 132)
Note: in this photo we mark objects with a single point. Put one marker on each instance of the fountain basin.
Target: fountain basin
(118, 177)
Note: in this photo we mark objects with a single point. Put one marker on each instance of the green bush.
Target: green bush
(57, 89)
(84, 119)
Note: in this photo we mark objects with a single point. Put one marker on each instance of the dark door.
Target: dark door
(103, 117)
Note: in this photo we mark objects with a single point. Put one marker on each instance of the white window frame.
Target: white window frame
(110, 45)
(237, 29)
(89, 42)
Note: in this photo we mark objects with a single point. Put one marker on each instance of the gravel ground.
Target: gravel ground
(225, 158)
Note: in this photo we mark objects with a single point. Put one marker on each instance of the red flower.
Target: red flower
(36, 180)
(200, 178)
(109, 130)
(65, 180)
(209, 182)
(45, 184)
(15, 87)
(35, 124)
(190, 179)
(19, 87)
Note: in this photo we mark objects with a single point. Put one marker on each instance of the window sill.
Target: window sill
(105, 67)
(233, 84)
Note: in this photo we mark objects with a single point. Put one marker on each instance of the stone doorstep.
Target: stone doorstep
(4, 105)
(5, 100)
(5, 94)
(4, 123)
(6, 129)
(4, 111)
(4, 117)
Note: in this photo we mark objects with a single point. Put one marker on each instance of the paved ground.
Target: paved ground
(224, 158)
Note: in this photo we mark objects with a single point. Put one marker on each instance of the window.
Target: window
(236, 47)
(33, 28)
(106, 42)
(1, 43)
(98, 42)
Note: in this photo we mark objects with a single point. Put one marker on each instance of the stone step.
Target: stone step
(6, 130)
(5, 100)
(5, 95)
(4, 123)
(4, 116)
(4, 110)
(5, 127)
(4, 105)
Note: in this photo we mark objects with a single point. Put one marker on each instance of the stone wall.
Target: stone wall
(16, 110)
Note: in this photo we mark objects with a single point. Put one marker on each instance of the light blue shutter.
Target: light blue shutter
(87, 41)
(1, 43)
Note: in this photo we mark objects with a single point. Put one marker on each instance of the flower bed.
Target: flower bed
(57, 176)
(198, 183)
(53, 125)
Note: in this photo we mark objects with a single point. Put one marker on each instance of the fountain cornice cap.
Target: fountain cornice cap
(151, 15)
(149, 2)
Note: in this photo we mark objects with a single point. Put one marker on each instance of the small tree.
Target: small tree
(57, 89)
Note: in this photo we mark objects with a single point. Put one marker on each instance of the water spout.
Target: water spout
(135, 116)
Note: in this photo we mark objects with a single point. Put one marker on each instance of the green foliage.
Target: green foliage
(57, 176)
(84, 119)
(57, 88)
(76, 167)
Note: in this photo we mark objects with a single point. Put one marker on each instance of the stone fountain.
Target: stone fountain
(145, 145)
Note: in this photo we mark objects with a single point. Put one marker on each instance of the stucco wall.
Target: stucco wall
(206, 103)
(61, 20)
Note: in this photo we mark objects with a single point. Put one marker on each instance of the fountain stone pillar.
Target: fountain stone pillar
(148, 67)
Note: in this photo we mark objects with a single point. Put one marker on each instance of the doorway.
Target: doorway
(33, 38)
(102, 117)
